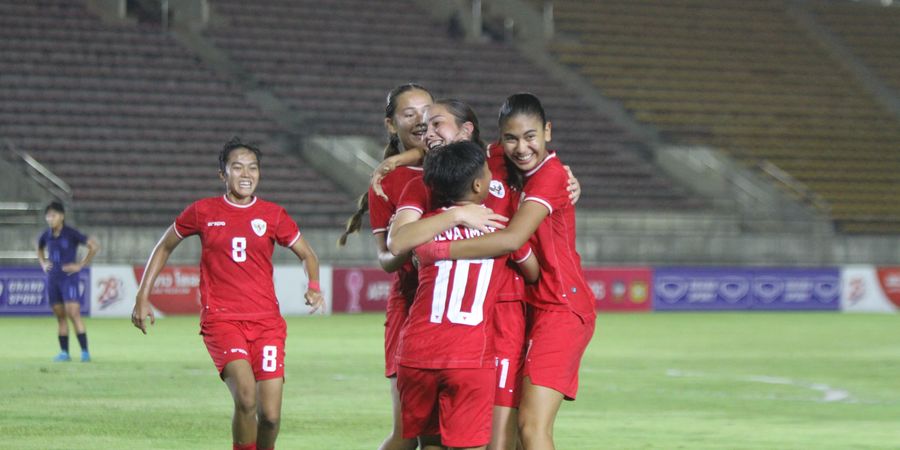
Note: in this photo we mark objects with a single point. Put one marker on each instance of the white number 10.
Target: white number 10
(239, 249)
(458, 290)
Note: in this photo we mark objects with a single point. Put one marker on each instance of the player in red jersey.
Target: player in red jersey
(240, 318)
(446, 357)
(449, 121)
(403, 120)
(563, 315)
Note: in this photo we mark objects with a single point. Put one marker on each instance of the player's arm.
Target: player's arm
(389, 262)
(158, 258)
(307, 255)
(408, 232)
(93, 247)
(42, 259)
(528, 265)
(412, 157)
(523, 224)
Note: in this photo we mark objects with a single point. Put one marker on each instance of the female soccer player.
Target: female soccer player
(61, 244)
(240, 319)
(403, 120)
(450, 121)
(563, 315)
(446, 366)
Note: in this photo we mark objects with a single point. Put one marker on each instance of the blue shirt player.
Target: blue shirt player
(57, 252)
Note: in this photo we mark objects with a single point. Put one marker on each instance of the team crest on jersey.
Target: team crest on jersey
(259, 226)
(496, 189)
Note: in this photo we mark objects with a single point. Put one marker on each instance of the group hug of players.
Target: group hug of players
(489, 313)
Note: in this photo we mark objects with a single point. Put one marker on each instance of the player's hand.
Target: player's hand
(140, 313)
(72, 267)
(387, 166)
(432, 251)
(479, 218)
(574, 186)
(315, 300)
(46, 265)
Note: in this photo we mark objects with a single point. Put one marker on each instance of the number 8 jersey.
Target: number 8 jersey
(449, 324)
(236, 259)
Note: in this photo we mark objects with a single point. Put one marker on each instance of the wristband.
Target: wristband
(314, 285)
(433, 251)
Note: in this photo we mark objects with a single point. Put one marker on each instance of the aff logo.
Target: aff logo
(110, 291)
(259, 226)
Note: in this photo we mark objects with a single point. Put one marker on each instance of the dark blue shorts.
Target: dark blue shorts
(63, 289)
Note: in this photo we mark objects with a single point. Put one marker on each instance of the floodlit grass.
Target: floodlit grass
(648, 381)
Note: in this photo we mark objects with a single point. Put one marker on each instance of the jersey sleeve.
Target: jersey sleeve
(415, 196)
(287, 233)
(548, 187)
(380, 211)
(42, 240)
(78, 237)
(188, 223)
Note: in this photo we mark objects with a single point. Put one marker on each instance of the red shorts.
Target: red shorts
(260, 342)
(556, 343)
(455, 403)
(397, 311)
(509, 343)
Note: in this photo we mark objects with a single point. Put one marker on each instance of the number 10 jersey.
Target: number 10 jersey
(236, 259)
(449, 321)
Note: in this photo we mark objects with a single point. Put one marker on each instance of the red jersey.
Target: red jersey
(502, 200)
(561, 285)
(236, 258)
(449, 324)
(380, 213)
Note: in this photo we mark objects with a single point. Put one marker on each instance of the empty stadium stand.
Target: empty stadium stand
(132, 121)
(336, 60)
(744, 77)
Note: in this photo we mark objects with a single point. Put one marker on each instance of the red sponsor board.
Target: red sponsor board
(176, 291)
(621, 288)
(890, 283)
(360, 289)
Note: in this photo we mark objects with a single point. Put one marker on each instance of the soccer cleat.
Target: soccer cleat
(62, 357)
(85, 356)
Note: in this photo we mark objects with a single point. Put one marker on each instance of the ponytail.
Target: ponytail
(354, 223)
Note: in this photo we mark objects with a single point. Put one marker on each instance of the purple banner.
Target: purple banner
(23, 291)
(741, 289)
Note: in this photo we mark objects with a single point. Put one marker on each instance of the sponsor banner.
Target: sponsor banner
(114, 291)
(23, 291)
(360, 289)
(291, 285)
(621, 288)
(869, 289)
(737, 289)
(176, 290)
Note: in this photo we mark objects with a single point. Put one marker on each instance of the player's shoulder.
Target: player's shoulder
(550, 168)
(401, 176)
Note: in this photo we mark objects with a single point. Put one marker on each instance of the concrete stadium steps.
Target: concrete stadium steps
(747, 78)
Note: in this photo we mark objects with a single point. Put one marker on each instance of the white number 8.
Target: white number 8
(270, 358)
(239, 249)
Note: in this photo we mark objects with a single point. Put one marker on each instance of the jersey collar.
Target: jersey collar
(225, 197)
(550, 155)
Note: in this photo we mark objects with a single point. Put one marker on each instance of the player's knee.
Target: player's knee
(245, 401)
(532, 427)
(269, 420)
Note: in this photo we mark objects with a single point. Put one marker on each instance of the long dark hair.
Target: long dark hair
(354, 223)
(522, 103)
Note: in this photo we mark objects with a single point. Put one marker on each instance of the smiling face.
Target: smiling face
(524, 138)
(407, 122)
(241, 175)
(443, 127)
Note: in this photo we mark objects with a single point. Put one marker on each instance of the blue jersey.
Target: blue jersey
(62, 249)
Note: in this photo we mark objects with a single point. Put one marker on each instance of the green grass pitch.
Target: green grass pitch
(648, 381)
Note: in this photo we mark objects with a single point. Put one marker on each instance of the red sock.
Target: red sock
(250, 446)
(270, 448)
